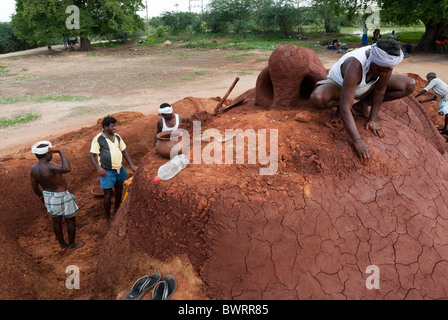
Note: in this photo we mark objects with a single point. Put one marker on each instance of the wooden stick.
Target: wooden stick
(218, 107)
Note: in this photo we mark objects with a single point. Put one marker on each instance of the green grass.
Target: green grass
(411, 34)
(56, 97)
(193, 76)
(17, 57)
(18, 119)
(24, 78)
(11, 100)
(200, 72)
(243, 73)
(347, 35)
(3, 69)
(110, 44)
(88, 110)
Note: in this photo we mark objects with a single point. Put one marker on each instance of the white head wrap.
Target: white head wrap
(44, 150)
(166, 110)
(382, 58)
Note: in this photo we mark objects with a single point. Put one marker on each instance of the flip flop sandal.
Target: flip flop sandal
(165, 288)
(142, 285)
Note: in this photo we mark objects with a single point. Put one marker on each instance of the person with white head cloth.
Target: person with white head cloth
(168, 121)
(59, 202)
(365, 75)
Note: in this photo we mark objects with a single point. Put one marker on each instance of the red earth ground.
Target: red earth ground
(227, 232)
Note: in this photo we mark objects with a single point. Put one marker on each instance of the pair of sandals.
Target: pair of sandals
(163, 289)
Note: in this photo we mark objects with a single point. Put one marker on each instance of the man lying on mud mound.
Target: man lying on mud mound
(364, 74)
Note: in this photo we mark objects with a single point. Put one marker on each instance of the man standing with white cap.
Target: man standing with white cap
(59, 202)
(364, 74)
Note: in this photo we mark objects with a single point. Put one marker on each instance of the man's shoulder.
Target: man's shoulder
(95, 138)
(34, 167)
(118, 136)
(439, 81)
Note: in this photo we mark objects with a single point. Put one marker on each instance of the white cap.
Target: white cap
(166, 110)
(42, 150)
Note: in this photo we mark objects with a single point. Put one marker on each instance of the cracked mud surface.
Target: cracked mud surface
(227, 232)
(311, 230)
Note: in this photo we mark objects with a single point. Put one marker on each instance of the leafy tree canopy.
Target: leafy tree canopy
(407, 12)
(44, 21)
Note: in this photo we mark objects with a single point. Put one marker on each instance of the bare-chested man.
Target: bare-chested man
(59, 202)
(364, 74)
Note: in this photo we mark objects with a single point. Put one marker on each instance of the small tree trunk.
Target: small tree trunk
(85, 44)
(428, 41)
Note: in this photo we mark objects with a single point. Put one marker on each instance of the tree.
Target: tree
(333, 12)
(281, 14)
(433, 14)
(8, 42)
(177, 21)
(44, 21)
(221, 14)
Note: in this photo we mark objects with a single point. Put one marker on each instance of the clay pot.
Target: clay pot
(167, 140)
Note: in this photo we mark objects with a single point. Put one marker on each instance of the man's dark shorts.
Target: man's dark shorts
(109, 181)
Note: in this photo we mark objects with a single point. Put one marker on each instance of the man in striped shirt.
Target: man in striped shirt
(110, 148)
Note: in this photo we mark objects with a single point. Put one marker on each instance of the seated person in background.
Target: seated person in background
(442, 39)
(407, 48)
(334, 45)
(393, 35)
(169, 120)
(376, 35)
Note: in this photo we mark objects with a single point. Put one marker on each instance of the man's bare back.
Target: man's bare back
(59, 202)
(49, 174)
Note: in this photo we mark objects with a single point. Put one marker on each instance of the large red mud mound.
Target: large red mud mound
(288, 79)
(310, 230)
(225, 231)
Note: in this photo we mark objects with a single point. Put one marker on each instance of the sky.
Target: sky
(155, 7)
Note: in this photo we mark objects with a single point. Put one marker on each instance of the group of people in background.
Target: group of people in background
(106, 155)
(69, 42)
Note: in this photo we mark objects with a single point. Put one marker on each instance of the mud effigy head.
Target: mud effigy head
(289, 78)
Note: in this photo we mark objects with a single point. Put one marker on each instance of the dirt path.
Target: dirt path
(106, 81)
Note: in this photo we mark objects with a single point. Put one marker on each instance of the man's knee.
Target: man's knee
(118, 186)
(57, 221)
(409, 86)
(317, 99)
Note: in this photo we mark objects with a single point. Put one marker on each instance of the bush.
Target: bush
(241, 27)
(8, 42)
(162, 32)
(177, 22)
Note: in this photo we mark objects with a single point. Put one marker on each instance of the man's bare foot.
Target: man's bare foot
(64, 246)
(76, 245)
(362, 108)
(109, 221)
